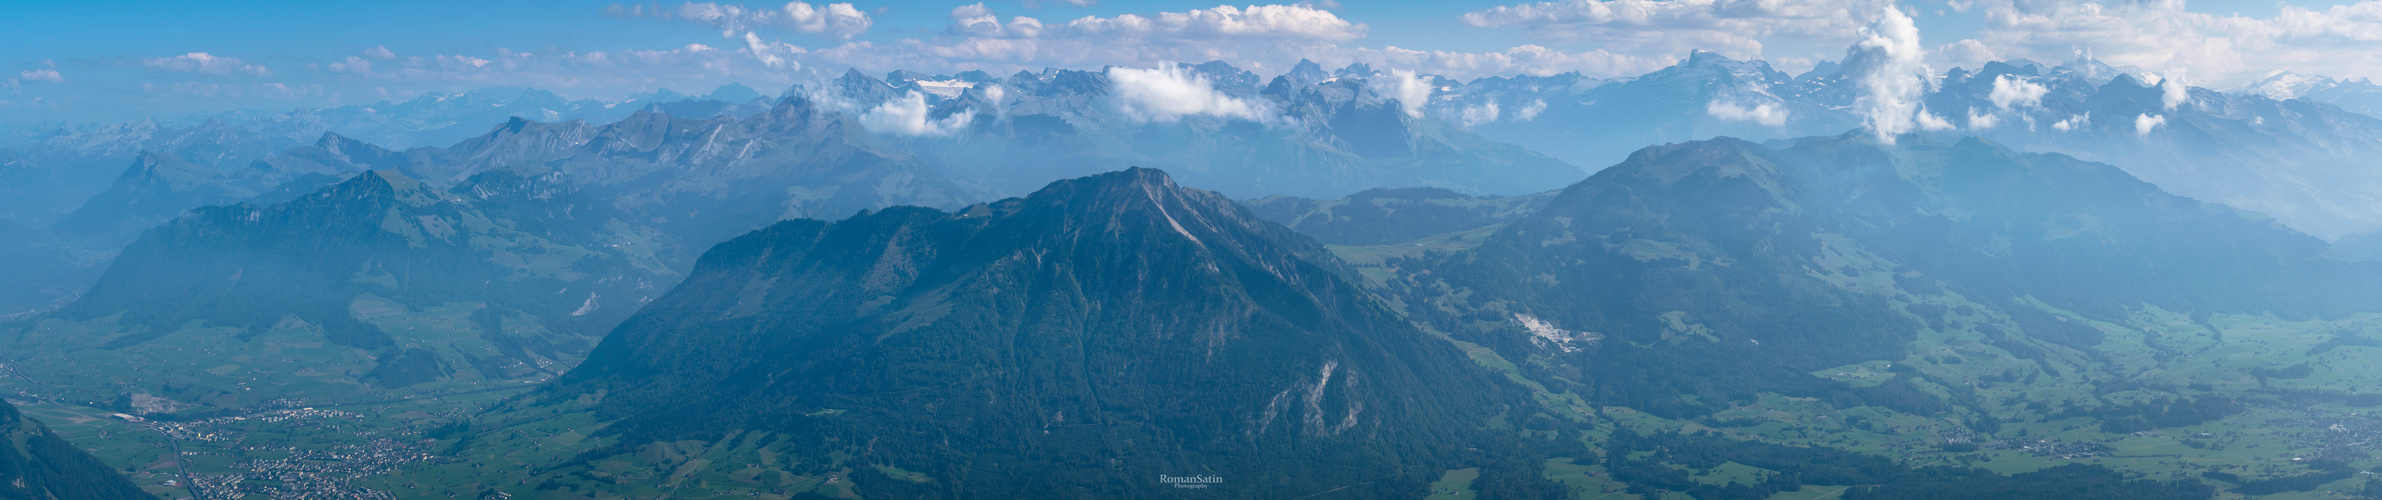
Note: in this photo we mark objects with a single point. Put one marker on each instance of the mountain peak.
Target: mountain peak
(734, 92)
(1698, 57)
(1356, 70)
(1135, 177)
(1307, 72)
(855, 76)
(1121, 191)
(331, 140)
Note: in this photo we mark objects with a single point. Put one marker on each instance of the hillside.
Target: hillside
(36, 465)
(378, 282)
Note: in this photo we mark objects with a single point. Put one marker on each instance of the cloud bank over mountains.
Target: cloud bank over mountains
(774, 45)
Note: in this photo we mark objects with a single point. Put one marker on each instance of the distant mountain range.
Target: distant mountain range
(1336, 132)
(1323, 138)
(706, 170)
(73, 162)
(2360, 95)
(2300, 160)
(379, 282)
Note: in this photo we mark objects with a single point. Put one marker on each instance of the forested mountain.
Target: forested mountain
(1695, 277)
(1078, 342)
(379, 281)
(36, 465)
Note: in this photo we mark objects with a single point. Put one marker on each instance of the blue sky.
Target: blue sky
(110, 61)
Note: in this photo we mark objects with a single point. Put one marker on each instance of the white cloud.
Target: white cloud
(2073, 122)
(2172, 92)
(42, 75)
(1265, 39)
(1261, 38)
(1412, 91)
(1769, 114)
(593, 73)
(1981, 121)
(910, 115)
(1967, 53)
(1295, 22)
(1475, 115)
(771, 53)
(1531, 112)
(353, 64)
(380, 52)
(977, 20)
(839, 21)
(1650, 27)
(1931, 122)
(201, 62)
(2013, 91)
(235, 90)
(2163, 35)
(1169, 93)
(1888, 64)
(2145, 123)
(1527, 59)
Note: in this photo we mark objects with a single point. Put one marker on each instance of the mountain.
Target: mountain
(2358, 96)
(2365, 244)
(1314, 139)
(63, 259)
(734, 92)
(35, 464)
(728, 169)
(2190, 141)
(706, 180)
(78, 160)
(2308, 156)
(1078, 342)
(158, 186)
(516, 141)
(1383, 216)
(438, 119)
(379, 282)
(1592, 122)
(66, 168)
(1698, 276)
